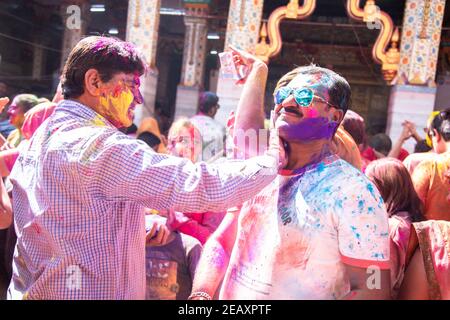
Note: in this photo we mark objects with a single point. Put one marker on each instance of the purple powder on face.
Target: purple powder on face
(309, 129)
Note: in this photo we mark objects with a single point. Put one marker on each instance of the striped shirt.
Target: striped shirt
(79, 192)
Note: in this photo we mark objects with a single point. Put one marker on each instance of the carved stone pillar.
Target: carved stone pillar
(142, 31)
(192, 72)
(244, 21)
(413, 97)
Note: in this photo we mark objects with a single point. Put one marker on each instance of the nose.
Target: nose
(289, 102)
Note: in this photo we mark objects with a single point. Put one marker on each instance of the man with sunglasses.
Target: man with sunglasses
(429, 176)
(320, 230)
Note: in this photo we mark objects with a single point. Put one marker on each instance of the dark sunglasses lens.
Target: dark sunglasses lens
(282, 94)
(303, 97)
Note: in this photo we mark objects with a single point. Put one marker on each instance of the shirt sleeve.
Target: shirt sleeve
(363, 229)
(124, 169)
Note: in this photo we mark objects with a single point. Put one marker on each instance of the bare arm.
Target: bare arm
(414, 286)
(396, 148)
(250, 110)
(5, 208)
(368, 284)
(216, 256)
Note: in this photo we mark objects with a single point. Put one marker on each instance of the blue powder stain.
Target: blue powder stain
(358, 236)
(378, 255)
(372, 192)
(339, 203)
(371, 210)
(321, 167)
(361, 205)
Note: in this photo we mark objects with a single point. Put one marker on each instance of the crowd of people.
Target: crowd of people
(303, 205)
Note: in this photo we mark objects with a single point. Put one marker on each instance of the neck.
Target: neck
(88, 102)
(303, 154)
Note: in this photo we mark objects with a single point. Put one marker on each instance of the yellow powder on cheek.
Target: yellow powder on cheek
(116, 107)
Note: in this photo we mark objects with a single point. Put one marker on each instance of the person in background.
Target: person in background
(427, 276)
(403, 205)
(354, 124)
(150, 139)
(171, 259)
(150, 124)
(5, 127)
(426, 147)
(16, 112)
(32, 120)
(184, 141)
(429, 176)
(211, 131)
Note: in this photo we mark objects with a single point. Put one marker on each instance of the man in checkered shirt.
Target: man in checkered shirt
(81, 186)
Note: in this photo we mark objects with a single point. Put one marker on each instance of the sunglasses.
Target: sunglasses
(302, 96)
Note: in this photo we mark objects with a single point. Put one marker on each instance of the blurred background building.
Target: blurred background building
(395, 54)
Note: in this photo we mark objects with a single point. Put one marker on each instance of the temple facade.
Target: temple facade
(395, 54)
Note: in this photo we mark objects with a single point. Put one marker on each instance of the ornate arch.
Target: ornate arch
(370, 14)
(293, 10)
(388, 58)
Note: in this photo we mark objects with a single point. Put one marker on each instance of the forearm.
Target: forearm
(417, 137)
(5, 219)
(250, 111)
(132, 173)
(395, 151)
(211, 268)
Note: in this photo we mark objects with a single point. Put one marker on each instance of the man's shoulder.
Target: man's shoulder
(337, 172)
(340, 180)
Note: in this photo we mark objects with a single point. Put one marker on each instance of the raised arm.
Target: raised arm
(130, 171)
(250, 111)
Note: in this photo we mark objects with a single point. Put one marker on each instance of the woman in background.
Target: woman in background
(404, 207)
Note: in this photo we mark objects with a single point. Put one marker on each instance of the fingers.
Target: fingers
(152, 232)
(162, 236)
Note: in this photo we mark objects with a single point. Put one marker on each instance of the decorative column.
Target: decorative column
(244, 21)
(142, 31)
(38, 61)
(192, 72)
(75, 15)
(413, 96)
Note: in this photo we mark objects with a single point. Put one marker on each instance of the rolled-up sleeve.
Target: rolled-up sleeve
(127, 170)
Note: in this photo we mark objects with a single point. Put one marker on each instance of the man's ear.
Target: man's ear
(92, 82)
(337, 115)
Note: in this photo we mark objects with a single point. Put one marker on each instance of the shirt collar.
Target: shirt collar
(79, 110)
